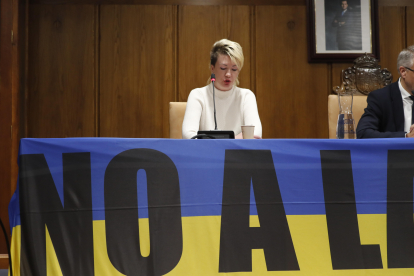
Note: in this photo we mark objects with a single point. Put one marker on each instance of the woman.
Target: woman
(234, 106)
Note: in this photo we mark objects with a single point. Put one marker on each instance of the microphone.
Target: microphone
(214, 134)
(213, 79)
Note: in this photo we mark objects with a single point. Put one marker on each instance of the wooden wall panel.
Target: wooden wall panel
(6, 115)
(410, 25)
(136, 39)
(336, 74)
(137, 72)
(392, 37)
(396, 3)
(292, 94)
(176, 2)
(201, 26)
(61, 71)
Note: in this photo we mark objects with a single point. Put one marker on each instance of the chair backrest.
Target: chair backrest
(358, 106)
(176, 112)
(365, 76)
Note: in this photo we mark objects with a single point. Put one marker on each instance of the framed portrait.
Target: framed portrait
(342, 30)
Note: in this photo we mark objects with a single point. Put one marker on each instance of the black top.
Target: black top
(384, 115)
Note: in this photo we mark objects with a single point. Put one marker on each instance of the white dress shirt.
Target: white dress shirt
(407, 105)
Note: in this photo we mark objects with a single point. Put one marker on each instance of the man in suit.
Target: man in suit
(390, 109)
(348, 24)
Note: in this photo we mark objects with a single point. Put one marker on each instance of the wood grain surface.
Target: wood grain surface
(198, 29)
(291, 93)
(61, 71)
(396, 3)
(392, 37)
(410, 25)
(336, 73)
(174, 2)
(137, 72)
(393, 3)
(6, 96)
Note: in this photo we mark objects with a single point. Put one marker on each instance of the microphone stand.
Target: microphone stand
(214, 134)
(213, 79)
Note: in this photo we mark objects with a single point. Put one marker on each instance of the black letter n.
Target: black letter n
(243, 167)
(70, 227)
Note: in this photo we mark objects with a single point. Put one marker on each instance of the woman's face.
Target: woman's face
(226, 72)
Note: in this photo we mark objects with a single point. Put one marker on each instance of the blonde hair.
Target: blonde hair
(229, 48)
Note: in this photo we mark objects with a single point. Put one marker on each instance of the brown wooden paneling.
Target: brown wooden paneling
(136, 70)
(399, 3)
(396, 3)
(292, 94)
(336, 73)
(19, 80)
(4, 261)
(61, 71)
(410, 25)
(97, 69)
(173, 2)
(6, 93)
(12, 69)
(199, 27)
(392, 37)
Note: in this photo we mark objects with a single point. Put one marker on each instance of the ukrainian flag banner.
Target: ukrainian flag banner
(109, 206)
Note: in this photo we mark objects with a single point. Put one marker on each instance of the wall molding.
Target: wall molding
(395, 3)
(175, 2)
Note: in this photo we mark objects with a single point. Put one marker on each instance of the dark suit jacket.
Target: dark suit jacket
(347, 18)
(384, 115)
(348, 36)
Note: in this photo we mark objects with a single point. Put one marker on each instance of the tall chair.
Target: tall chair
(365, 76)
(176, 113)
(359, 104)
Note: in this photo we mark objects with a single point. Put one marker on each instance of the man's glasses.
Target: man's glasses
(409, 69)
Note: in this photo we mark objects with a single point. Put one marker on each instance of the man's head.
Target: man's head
(344, 5)
(405, 64)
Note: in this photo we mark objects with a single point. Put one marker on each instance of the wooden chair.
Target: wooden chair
(365, 76)
(358, 106)
(176, 114)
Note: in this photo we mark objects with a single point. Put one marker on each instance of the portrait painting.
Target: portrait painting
(341, 30)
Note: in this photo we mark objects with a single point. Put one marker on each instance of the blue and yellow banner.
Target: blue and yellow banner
(109, 206)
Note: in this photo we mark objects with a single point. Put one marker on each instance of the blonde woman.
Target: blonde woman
(234, 106)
